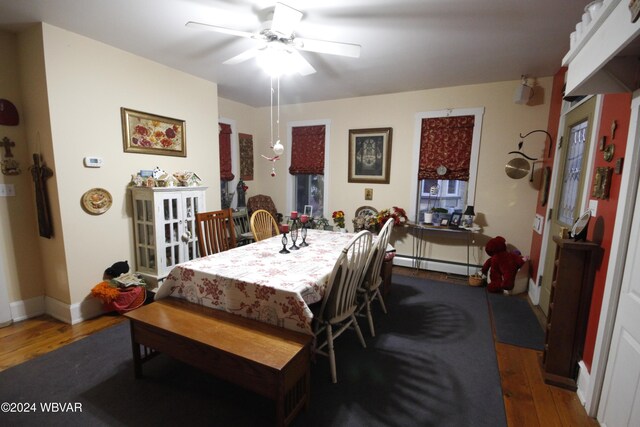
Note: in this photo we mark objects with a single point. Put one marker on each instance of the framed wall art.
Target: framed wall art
(370, 155)
(602, 183)
(151, 134)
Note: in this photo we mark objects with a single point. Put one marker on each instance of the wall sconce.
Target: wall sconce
(518, 168)
(523, 93)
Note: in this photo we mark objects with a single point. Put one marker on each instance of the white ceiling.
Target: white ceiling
(406, 44)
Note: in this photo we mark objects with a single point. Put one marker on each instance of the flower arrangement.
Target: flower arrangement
(366, 222)
(398, 214)
(338, 218)
(105, 291)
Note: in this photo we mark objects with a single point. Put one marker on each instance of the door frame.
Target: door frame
(594, 380)
(589, 161)
(6, 318)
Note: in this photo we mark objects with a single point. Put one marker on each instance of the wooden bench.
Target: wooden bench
(268, 360)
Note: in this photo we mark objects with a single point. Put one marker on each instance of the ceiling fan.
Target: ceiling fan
(276, 37)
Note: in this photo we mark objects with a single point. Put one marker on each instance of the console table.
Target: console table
(423, 229)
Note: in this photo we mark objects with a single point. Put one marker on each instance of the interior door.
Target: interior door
(620, 400)
(569, 185)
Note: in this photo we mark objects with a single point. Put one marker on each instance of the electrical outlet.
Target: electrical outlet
(7, 190)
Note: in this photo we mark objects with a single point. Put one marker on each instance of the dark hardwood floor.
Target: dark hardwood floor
(528, 400)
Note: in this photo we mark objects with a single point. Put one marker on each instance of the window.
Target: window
(307, 149)
(309, 192)
(449, 194)
(447, 148)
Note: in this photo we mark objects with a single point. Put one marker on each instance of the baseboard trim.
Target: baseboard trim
(584, 379)
(67, 313)
(534, 292)
(26, 309)
(435, 265)
(74, 313)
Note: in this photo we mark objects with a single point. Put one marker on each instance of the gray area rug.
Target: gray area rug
(432, 363)
(515, 323)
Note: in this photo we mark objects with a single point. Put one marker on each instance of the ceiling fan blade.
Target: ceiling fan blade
(244, 56)
(285, 19)
(223, 30)
(303, 66)
(333, 48)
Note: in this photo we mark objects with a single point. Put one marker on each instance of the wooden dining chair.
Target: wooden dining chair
(243, 231)
(369, 289)
(339, 303)
(216, 231)
(263, 225)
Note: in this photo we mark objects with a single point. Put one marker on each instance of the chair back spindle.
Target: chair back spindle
(216, 231)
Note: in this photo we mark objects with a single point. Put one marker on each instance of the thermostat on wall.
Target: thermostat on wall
(93, 162)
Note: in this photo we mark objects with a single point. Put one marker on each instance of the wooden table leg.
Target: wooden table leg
(137, 356)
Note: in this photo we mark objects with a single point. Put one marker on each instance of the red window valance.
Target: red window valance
(225, 152)
(307, 150)
(446, 141)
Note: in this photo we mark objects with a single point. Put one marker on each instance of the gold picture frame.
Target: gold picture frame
(152, 134)
(602, 183)
(370, 155)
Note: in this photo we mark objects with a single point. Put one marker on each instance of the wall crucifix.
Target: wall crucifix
(9, 164)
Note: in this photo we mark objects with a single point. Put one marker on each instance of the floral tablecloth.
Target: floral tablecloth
(258, 282)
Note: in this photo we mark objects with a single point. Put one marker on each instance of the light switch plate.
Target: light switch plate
(7, 190)
(368, 193)
(538, 223)
(593, 207)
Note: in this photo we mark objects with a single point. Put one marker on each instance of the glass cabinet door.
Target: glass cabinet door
(171, 231)
(191, 208)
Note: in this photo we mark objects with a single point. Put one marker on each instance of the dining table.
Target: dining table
(257, 281)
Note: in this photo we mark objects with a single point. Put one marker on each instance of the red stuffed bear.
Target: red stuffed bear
(504, 265)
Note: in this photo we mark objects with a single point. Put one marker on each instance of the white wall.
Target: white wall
(506, 207)
(73, 88)
(86, 85)
(19, 229)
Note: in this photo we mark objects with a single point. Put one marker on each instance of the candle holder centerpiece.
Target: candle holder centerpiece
(304, 219)
(295, 226)
(284, 229)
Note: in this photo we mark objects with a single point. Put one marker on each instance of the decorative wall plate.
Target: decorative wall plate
(96, 201)
(608, 152)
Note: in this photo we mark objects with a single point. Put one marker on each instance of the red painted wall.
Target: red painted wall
(552, 127)
(615, 107)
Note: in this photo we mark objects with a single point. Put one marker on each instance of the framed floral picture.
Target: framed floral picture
(370, 155)
(151, 134)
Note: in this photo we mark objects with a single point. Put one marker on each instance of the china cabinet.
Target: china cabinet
(165, 228)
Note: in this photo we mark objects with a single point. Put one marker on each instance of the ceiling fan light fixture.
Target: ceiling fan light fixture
(276, 60)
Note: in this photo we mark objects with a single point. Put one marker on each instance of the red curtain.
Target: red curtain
(446, 141)
(225, 152)
(307, 150)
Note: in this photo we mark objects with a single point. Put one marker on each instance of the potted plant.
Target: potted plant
(438, 214)
(338, 220)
